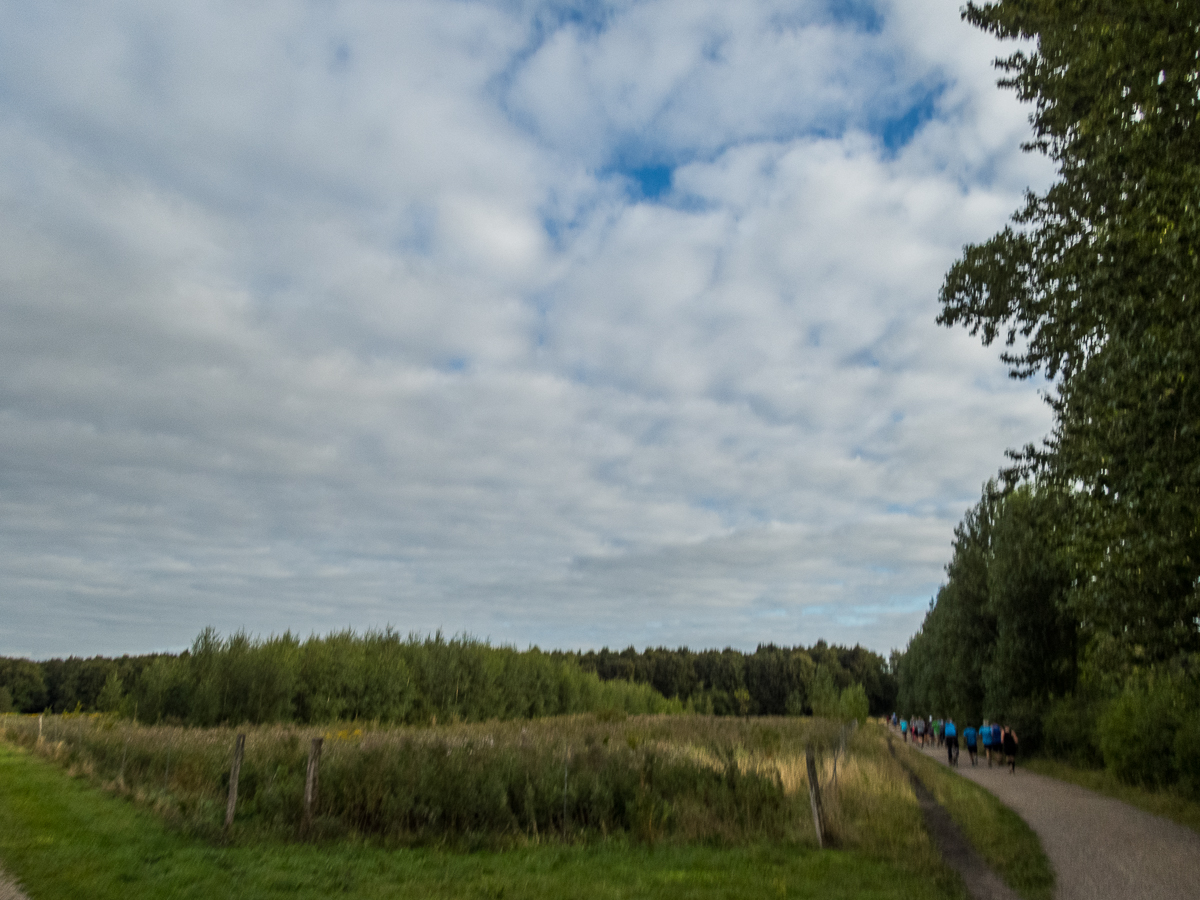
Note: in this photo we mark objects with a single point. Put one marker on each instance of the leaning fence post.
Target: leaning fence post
(814, 797)
(310, 782)
(234, 770)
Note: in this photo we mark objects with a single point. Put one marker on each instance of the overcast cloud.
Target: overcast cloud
(560, 323)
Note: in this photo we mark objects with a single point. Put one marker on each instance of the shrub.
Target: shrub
(1137, 731)
(853, 704)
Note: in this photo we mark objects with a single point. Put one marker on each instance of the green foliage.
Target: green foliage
(1098, 279)
(776, 680)
(1187, 754)
(1070, 733)
(826, 701)
(852, 705)
(26, 687)
(999, 640)
(1137, 731)
(6, 703)
(111, 694)
(379, 676)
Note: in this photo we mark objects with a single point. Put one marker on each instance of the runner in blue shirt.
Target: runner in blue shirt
(985, 738)
(970, 741)
(997, 747)
(904, 729)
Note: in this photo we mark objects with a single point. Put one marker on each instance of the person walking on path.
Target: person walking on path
(937, 732)
(904, 729)
(997, 743)
(970, 740)
(985, 738)
(921, 730)
(951, 737)
(1009, 744)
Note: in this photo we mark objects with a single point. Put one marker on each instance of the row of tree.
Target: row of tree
(770, 681)
(382, 676)
(1072, 603)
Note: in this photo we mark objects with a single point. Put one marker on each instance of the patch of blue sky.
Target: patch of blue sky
(896, 132)
(859, 15)
(652, 181)
(587, 16)
(863, 15)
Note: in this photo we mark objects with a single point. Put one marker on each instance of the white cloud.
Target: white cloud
(349, 314)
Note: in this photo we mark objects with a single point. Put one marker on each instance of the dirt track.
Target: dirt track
(1101, 849)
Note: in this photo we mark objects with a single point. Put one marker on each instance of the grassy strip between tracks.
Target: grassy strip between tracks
(1167, 804)
(998, 834)
(61, 838)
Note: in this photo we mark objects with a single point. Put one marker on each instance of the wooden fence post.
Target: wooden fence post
(814, 797)
(234, 770)
(311, 781)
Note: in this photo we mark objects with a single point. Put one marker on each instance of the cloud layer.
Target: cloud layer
(568, 324)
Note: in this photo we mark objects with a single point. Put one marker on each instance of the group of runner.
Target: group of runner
(993, 737)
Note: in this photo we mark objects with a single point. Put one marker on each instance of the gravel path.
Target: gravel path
(1101, 849)
(8, 890)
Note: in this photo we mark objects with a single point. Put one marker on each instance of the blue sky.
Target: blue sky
(569, 324)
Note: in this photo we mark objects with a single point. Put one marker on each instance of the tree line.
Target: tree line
(770, 681)
(382, 676)
(1071, 607)
(379, 676)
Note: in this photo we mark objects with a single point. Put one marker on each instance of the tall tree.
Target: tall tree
(1096, 284)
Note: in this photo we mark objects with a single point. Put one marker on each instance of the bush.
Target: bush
(1138, 730)
(853, 704)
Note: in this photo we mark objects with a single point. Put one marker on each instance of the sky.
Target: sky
(569, 324)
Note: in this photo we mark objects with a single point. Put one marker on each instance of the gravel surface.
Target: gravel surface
(8, 890)
(1101, 849)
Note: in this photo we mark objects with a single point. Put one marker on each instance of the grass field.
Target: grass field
(1168, 804)
(998, 834)
(500, 785)
(63, 838)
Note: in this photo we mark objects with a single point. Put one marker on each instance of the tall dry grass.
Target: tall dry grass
(653, 778)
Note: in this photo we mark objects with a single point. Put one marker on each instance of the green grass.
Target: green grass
(998, 834)
(1167, 804)
(60, 838)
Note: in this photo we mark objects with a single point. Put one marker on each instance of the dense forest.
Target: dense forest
(382, 676)
(1071, 607)
(770, 681)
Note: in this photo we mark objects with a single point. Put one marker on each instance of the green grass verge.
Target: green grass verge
(62, 839)
(999, 835)
(1161, 803)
